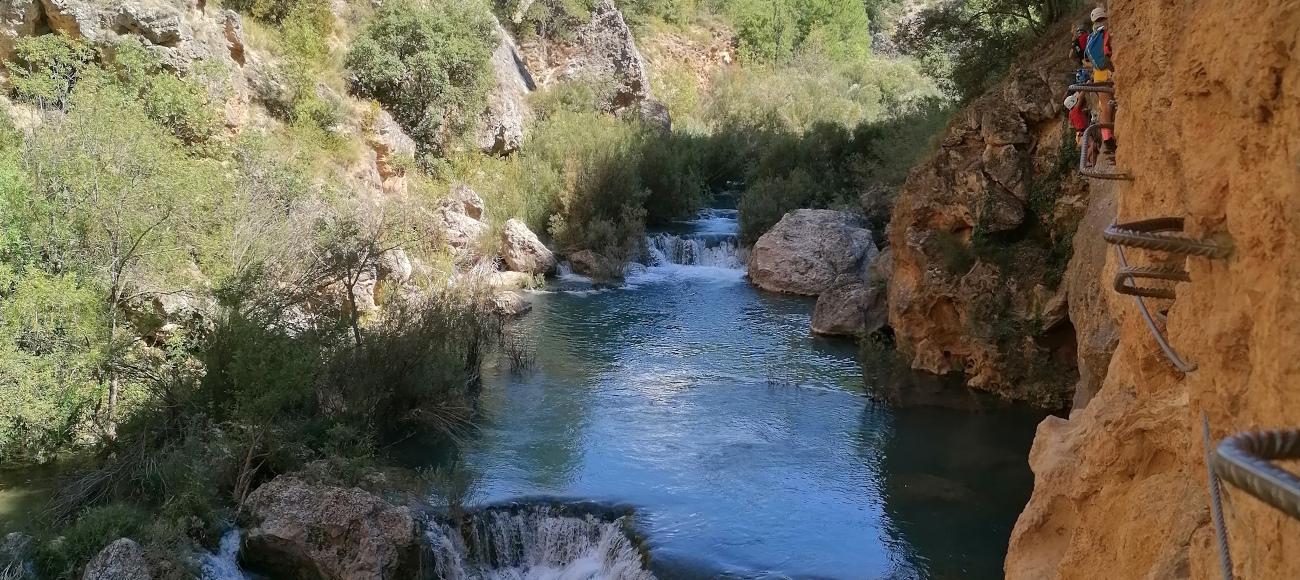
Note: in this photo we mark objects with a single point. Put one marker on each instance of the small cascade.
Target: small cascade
(692, 250)
(535, 543)
(224, 564)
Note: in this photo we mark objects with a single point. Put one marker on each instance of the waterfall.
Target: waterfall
(535, 543)
(224, 564)
(707, 251)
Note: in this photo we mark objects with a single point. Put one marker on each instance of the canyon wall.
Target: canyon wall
(982, 233)
(1209, 124)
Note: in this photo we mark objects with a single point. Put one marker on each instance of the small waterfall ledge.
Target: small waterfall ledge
(535, 543)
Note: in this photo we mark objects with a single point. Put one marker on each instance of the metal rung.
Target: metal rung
(1246, 461)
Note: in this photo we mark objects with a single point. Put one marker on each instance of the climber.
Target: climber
(1077, 110)
(1079, 45)
(1098, 53)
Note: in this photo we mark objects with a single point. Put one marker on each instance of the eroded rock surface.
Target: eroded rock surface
(523, 252)
(305, 530)
(809, 250)
(856, 306)
(121, 560)
(978, 261)
(502, 130)
(1120, 487)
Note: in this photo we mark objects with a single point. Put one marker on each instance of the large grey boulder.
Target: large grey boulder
(458, 218)
(523, 252)
(121, 560)
(607, 52)
(305, 530)
(808, 251)
(502, 129)
(855, 306)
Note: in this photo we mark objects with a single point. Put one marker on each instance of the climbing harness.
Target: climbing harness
(1088, 136)
(1216, 502)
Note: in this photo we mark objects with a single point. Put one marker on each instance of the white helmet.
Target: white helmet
(1098, 13)
(1071, 101)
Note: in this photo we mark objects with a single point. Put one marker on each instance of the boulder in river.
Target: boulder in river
(306, 530)
(808, 251)
(121, 560)
(523, 252)
(856, 306)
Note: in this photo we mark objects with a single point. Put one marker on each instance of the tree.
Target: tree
(113, 199)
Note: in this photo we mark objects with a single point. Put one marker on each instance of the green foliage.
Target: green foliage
(601, 205)
(180, 104)
(776, 30)
(46, 68)
(427, 62)
(52, 346)
(971, 43)
(93, 529)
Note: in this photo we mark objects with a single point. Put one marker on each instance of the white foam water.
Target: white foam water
(664, 249)
(224, 564)
(535, 543)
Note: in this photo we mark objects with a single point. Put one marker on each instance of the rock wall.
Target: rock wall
(981, 232)
(1209, 124)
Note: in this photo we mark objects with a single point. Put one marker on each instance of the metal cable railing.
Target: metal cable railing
(1107, 88)
(1171, 354)
(1216, 502)
(1161, 234)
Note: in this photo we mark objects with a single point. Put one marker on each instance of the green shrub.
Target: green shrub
(93, 529)
(427, 62)
(46, 68)
(180, 104)
(774, 30)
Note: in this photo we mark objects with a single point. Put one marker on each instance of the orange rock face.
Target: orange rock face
(980, 234)
(1209, 124)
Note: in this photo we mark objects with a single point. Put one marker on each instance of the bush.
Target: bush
(46, 68)
(427, 62)
(776, 30)
(93, 529)
(180, 104)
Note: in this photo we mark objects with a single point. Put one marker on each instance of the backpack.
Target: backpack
(1097, 49)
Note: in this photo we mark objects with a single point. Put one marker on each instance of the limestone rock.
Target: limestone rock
(390, 144)
(121, 560)
(18, 18)
(598, 267)
(465, 200)
(509, 280)
(607, 50)
(969, 252)
(510, 304)
(502, 129)
(304, 530)
(809, 249)
(1120, 486)
(850, 309)
(458, 218)
(523, 252)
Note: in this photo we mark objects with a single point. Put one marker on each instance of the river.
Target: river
(744, 445)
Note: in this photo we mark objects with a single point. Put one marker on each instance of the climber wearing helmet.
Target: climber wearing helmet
(1079, 44)
(1098, 52)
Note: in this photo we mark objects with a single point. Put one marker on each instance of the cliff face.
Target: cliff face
(982, 232)
(1209, 124)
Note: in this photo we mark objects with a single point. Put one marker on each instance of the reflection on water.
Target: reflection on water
(22, 495)
(745, 443)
